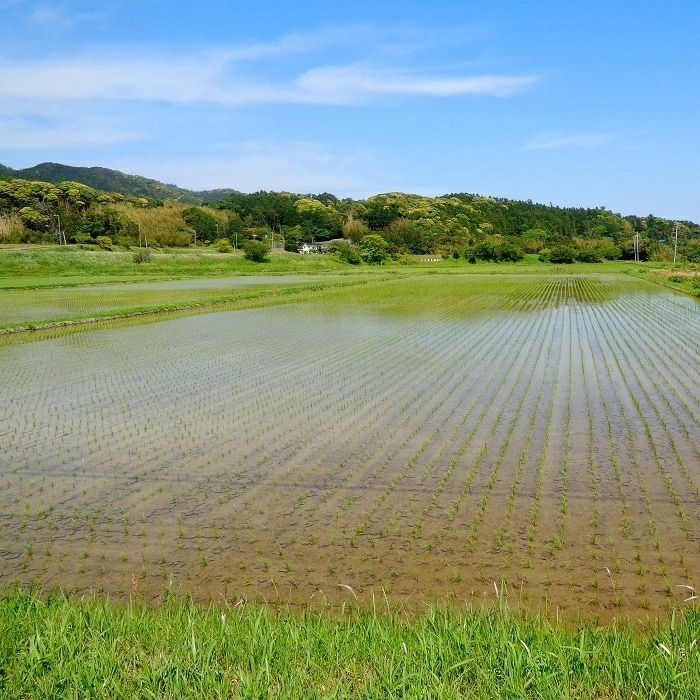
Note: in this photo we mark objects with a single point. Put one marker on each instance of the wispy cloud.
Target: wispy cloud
(350, 84)
(218, 77)
(559, 141)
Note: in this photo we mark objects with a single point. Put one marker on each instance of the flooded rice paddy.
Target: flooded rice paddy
(406, 441)
(55, 303)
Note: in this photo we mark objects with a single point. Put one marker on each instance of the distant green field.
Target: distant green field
(55, 284)
(54, 265)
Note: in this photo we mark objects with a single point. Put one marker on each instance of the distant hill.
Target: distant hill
(109, 180)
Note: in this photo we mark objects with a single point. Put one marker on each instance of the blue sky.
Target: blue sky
(574, 103)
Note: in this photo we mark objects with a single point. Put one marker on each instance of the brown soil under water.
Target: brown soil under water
(301, 456)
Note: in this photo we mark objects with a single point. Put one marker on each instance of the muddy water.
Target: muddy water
(537, 433)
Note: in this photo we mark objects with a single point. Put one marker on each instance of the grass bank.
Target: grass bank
(54, 266)
(89, 648)
(66, 266)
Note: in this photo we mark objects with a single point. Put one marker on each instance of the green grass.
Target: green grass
(64, 266)
(50, 266)
(78, 649)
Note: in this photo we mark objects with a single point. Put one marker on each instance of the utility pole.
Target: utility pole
(61, 232)
(675, 244)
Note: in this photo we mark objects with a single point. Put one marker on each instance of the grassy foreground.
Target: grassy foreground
(78, 649)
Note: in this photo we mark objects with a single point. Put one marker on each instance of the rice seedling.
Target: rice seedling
(388, 435)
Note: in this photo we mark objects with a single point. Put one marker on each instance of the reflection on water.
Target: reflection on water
(31, 305)
(274, 453)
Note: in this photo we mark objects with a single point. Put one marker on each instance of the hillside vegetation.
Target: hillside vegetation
(127, 210)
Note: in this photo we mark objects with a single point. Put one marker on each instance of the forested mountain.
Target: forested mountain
(44, 205)
(109, 180)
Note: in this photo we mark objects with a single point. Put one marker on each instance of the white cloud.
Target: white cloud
(349, 84)
(558, 141)
(207, 79)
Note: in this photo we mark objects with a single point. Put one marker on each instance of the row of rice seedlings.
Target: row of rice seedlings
(652, 527)
(544, 363)
(356, 469)
(592, 468)
(494, 387)
(486, 365)
(655, 377)
(545, 455)
(677, 316)
(638, 560)
(533, 331)
(480, 352)
(612, 438)
(546, 336)
(680, 357)
(631, 370)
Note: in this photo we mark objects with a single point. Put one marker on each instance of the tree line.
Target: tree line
(459, 225)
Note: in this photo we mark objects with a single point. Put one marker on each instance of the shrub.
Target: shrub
(485, 251)
(142, 255)
(588, 256)
(562, 254)
(345, 252)
(256, 251)
(223, 245)
(83, 238)
(507, 252)
(104, 242)
(610, 252)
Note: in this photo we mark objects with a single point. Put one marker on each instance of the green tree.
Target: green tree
(507, 252)
(589, 255)
(354, 230)
(407, 236)
(345, 252)
(485, 251)
(257, 251)
(293, 237)
(34, 220)
(205, 224)
(562, 254)
(235, 229)
(693, 253)
(373, 249)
